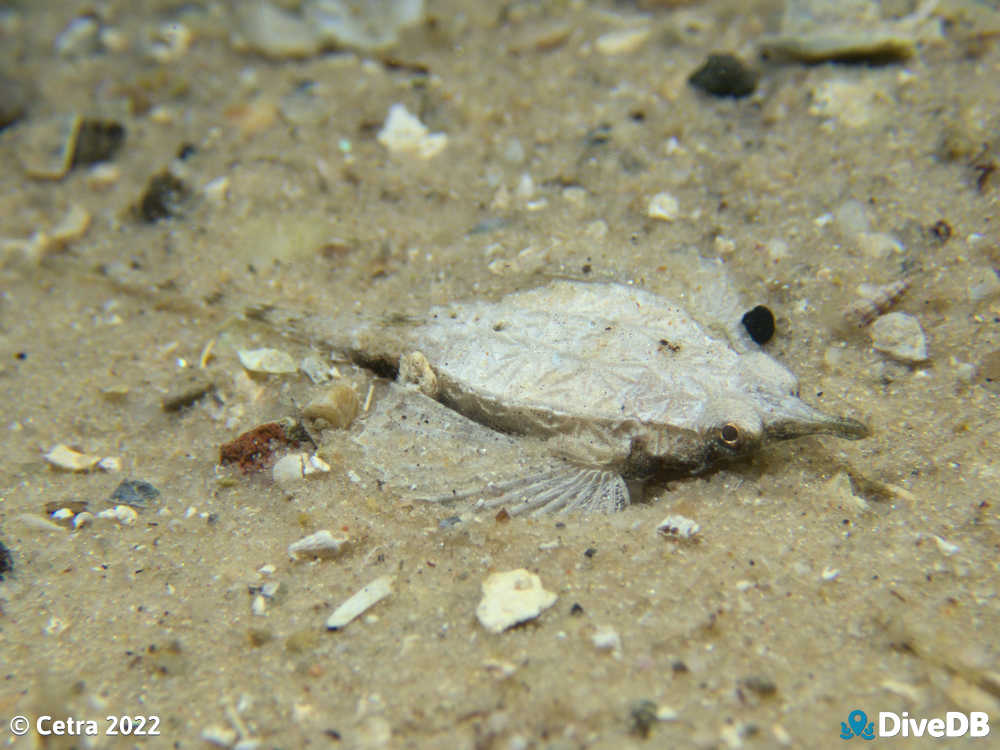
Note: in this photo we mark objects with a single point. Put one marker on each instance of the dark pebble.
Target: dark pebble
(759, 323)
(643, 716)
(187, 392)
(762, 686)
(14, 99)
(135, 492)
(164, 198)
(6, 561)
(590, 552)
(724, 75)
(97, 141)
(576, 609)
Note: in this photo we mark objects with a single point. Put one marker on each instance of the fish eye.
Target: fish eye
(730, 434)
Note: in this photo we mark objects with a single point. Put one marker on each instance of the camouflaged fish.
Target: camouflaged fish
(555, 396)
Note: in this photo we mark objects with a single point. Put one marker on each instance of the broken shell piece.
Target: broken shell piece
(678, 527)
(338, 405)
(64, 457)
(47, 150)
(370, 595)
(73, 226)
(510, 598)
(322, 544)
(123, 514)
(267, 361)
(414, 368)
(297, 466)
(900, 336)
(404, 134)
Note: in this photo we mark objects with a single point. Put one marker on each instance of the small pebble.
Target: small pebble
(164, 198)
(192, 385)
(6, 561)
(321, 545)
(367, 597)
(267, 361)
(663, 206)
(510, 598)
(724, 76)
(622, 41)
(678, 527)
(79, 38)
(404, 134)
(97, 141)
(135, 492)
(606, 638)
(759, 323)
(63, 457)
(900, 336)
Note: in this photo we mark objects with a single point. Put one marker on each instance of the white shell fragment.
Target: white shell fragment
(267, 361)
(663, 206)
(63, 457)
(322, 544)
(404, 134)
(510, 598)
(900, 336)
(338, 405)
(678, 527)
(370, 595)
(295, 467)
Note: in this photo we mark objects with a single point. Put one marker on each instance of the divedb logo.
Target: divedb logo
(954, 724)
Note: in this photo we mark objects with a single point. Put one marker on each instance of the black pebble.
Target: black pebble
(135, 492)
(576, 609)
(759, 323)
(724, 75)
(97, 141)
(163, 199)
(6, 561)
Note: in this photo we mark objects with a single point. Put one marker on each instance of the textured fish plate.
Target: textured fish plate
(565, 392)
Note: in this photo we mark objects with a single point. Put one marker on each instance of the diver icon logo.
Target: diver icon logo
(857, 725)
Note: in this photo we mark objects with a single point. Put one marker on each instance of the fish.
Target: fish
(569, 393)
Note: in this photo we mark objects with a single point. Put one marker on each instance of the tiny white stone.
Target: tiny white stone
(622, 41)
(900, 336)
(125, 515)
(289, 469)
(315, 465)
(269, 361)
(267, 570)
(663, 206)
(259, 606)
(403, 133)
(370, 595)
(679, 527)
(666, 713)
(110, 463)
(829, 574)
(512, 597)
(84, 518)
(62, 514)
(322, 544)
(947, 548)
(219, 736)
(606, 638)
